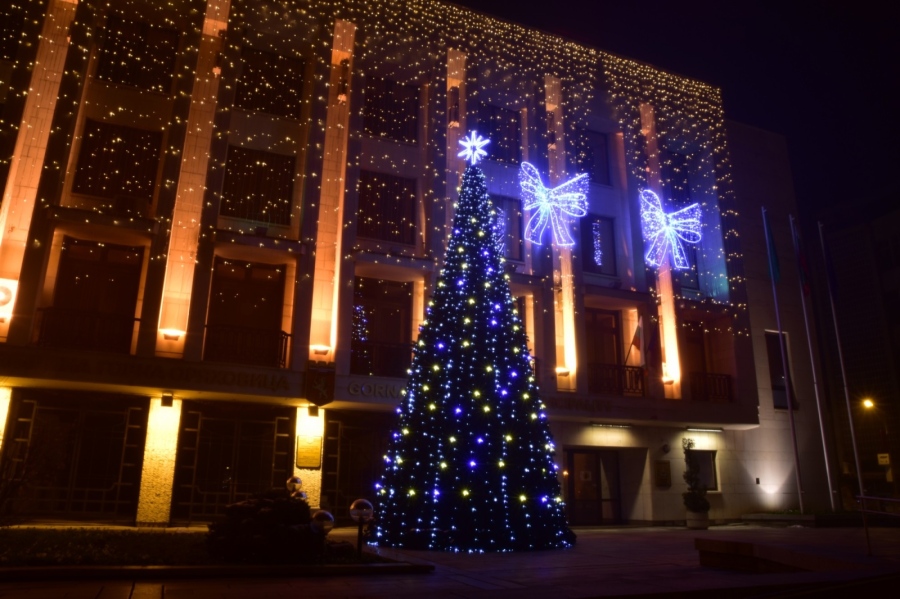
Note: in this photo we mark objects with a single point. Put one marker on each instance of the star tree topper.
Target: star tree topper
(665, 232)
(472, 145)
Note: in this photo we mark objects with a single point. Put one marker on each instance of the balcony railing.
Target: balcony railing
(380, 359)
(707, 386)
(245, 345)
(616, 380)
(83, 330)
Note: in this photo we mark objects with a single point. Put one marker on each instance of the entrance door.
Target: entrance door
(593, 487)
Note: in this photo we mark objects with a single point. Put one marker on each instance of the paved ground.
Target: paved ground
(605, 562)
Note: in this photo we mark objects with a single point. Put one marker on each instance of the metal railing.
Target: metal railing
(83, 330)
(616, 380)
(372, 358)
(244, 345)
(711, 387)
(887, 506)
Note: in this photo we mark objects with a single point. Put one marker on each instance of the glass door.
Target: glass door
(592, 487)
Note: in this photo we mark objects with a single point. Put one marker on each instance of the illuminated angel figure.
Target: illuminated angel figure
(666, 232)
(472, 145)
(550, 205)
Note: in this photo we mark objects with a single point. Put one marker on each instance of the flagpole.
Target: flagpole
(837, 337)
(812, 363)
(770, 244)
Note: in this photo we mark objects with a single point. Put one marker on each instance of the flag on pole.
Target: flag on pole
(802, 262)
(774, 268)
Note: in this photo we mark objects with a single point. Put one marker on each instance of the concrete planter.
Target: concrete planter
(697, 520)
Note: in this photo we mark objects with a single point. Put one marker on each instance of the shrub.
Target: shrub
(272, 527)
(695, 497)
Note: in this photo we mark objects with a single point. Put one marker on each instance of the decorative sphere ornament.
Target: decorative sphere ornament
(293, 484)
(361, 510)
(322, 522)
(299, 495)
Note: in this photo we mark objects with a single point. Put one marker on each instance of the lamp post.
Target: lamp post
(883, 459)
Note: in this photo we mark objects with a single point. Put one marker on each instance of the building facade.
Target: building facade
(221, 222)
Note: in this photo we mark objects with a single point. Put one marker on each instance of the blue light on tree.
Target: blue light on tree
(470, 465)
(664, 233)
(551, 206)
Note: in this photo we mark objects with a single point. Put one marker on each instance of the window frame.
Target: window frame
(391, 110)
(584, 141)
(705, 465)
(588, 246)
(513, 242)
(491, 125)
(260, 183)
(381, 231)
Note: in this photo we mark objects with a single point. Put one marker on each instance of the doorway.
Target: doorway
(592, 487)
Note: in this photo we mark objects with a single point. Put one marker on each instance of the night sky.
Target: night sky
(822, 78)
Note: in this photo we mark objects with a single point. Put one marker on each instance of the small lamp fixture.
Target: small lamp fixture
(453, 111)
(167, 400)
(344, 83)
(562, 371)
(171, 334)
(868, 403)
(320, 350)
(312, 411)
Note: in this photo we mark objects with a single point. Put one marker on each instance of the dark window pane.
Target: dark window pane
(598, 247)
(508, 226)
(270, 83)
(11, 25)
(776, 372)
(259, 186)
(387, 208)
(502, 127)
(589, 153)
(117, 161)
(381, 337)
(391, 110)
(138, 55)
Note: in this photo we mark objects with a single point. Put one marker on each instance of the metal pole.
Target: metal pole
(837, 336)
(770, 242)
(812, 364)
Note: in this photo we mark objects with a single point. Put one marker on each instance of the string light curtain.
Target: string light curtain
(138, 54)
(259, 186)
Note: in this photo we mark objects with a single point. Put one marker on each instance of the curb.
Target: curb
(59, 573)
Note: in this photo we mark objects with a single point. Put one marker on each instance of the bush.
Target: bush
(272, 528)
(695, 497)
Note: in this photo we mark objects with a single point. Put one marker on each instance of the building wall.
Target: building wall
(195, 246)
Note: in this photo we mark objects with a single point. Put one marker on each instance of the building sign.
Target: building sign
(309, 451)
(884, 459)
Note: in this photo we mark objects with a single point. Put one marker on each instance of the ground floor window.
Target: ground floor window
(228, 453)
(355, 445)
(74, 456)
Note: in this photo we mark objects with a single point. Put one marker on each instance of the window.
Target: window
(776, 372)
(598, 247)
(259, 186)
(509, 226)
(387, 208)
(11, 26)
(138, 55)
(675, 169)
(117, 161)
(589, 153)
(704, 464)
(502, 127)
(270, 83)
(391, 110)
(94, 297)
(381, 333)
(244, 322)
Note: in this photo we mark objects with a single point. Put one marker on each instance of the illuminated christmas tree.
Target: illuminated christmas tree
(470, 466)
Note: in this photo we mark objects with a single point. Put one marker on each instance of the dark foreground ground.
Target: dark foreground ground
(744, 561)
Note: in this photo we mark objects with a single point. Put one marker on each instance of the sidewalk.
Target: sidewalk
(604, 562)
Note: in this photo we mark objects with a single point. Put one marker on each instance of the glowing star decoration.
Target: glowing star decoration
(473, 144)
(551, 205)
(665, 232)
